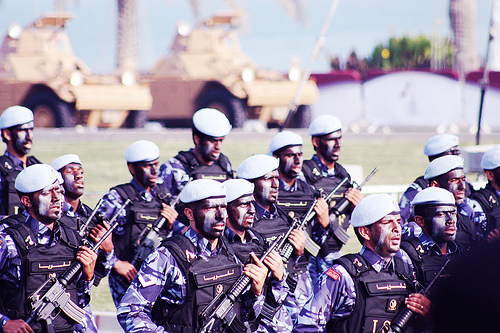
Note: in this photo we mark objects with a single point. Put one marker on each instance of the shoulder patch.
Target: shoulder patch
(190, 255)
(333, 274)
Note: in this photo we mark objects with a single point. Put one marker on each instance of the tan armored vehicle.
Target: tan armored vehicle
(206, 68)
(39, 70)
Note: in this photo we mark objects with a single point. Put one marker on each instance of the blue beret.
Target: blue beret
(372, 208)
(442, 165)
(236, 188)
(324, 124)
(433, 196)
(491, 158)
(14, 116)
(283, 139)
(211, 122)
(257, 166)
(202, 189)
(142, 151)
(35, 178)
(440, 143)
(64, 160)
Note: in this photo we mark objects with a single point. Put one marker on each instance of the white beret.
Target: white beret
(442, 165)
(440, 143)
(202, 189)
(257, 166)
(211, 122)
(36, 177)
(283, 139)
(433, 196)
(372, 208)
(142, 150)
(14, 116)
(236, 188)
(324, 124)
(491, 158)
(64, 160)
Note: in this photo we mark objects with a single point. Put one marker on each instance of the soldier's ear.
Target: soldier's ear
(490, 175)
(196, 139)
(189, 213)
(434, 184)
(6, 134)
(365, 233)
(315, 141)
(420, 221)
(131, 168)
(26, 201)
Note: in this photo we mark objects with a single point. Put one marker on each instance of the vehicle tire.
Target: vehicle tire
(49, 110)
(136, 119)
(302, 118)
(225, 102)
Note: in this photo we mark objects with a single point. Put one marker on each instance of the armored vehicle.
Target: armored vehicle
(39, 70)
(207, 68)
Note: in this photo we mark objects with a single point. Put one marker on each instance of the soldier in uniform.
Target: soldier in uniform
(437, 146)
(244, 240)
(187, 271)
(148, 202)
(34, 246)
(16, 124)
(271, 221)
(205, 160)
(447, 172)
(435, 212)
(324, 172)
(485, 205)
(362, 291)
(75, 214)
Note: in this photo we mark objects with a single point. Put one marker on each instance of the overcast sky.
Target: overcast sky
(270, 36)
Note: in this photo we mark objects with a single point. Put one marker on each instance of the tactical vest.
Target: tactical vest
(11, 203)
(38, 264)
(379, 296)
(205, 278)
(466, 233)
(426, 263)
(488, 199)
(296, 203)
(140, 215)
(76, 222)
(313, 176)
(243, 250)
(220, 170)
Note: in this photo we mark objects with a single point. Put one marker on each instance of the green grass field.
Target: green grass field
(399, 162)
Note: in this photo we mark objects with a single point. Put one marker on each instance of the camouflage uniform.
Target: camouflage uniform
(161, 277)
(10, 266)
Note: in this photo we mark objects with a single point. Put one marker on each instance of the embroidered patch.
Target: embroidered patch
(190, 255)
(333, 274)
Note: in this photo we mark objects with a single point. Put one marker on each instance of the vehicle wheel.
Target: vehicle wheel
(50, 111)
(302, 118)
(136, 119)
(226, 103)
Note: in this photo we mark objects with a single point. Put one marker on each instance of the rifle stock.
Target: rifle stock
(56, 298)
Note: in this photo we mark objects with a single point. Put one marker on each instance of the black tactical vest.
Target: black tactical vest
(11, 203)
(76, 222)
(488, 199)
(426, 263)
(140, 214)
(220, 170)
(313, 176)
(38, 264)
(243, 250)
(379, 296)
(296, 202)
(206, 278)
(466, 233)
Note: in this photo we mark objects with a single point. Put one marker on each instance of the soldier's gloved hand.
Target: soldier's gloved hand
(354, 196)
(16, 326)
(321, 209)
(97, 233)
(125, 269)
(257, 272)
(418, 303)
(170, 214)
(88, 258)
(298, 240)
(275, 264)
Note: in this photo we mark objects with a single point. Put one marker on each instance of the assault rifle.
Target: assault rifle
(342, 207)
(83, 232)
(219, 315)
(48, 306)
(400, 322)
